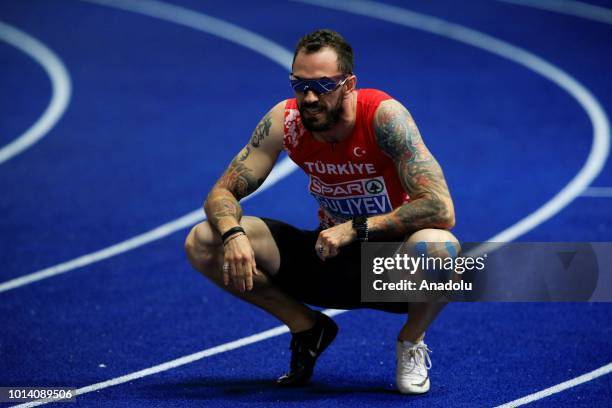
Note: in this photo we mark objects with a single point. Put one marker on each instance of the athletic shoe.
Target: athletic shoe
(412, 364)
(306, 347)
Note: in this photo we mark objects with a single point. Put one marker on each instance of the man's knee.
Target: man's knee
(433, 242)
(203, 247)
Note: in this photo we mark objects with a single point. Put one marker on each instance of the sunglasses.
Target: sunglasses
(319, 86)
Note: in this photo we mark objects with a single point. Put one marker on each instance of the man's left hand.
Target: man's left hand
(332, 239)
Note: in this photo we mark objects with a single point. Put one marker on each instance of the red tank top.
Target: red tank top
(349, 178)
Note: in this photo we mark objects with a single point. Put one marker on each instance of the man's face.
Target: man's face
(319, 112)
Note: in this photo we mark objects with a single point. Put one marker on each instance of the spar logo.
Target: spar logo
(363, 187)
(374, 186)
(357, 197)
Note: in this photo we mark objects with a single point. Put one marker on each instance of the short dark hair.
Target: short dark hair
(322, 38)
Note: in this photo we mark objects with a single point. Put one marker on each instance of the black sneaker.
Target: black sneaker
(306, 347)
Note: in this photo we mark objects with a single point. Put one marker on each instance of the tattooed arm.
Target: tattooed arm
(421, 177)
(431, 205)
(246, 172)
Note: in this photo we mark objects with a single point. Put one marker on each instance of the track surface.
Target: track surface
(156, 111)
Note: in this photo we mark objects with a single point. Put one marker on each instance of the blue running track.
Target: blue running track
(157, 110)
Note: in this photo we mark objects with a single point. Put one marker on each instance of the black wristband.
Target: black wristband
(231, 232)
(360, 225)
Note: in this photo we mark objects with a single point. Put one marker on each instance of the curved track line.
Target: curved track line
(280, 171)
(209, 25)
(60, 83)
(571, 8)
(202, 22)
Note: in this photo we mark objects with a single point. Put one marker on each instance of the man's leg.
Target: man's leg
(422, 314)
(412, 353)
(311, 331)
(205, 253)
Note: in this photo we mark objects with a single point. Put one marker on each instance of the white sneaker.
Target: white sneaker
(412, 364)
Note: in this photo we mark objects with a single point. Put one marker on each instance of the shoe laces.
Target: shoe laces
(417, 355)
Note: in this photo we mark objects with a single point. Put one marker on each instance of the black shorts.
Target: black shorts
(333, 283)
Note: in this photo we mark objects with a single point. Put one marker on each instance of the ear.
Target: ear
(350, 85)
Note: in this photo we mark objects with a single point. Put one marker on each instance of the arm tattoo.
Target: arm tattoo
(238, 178)
(419, 172)
(238, 181)
(261, 131)
(223, 204)
(246, 152)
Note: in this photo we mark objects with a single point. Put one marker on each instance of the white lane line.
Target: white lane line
(600, 147)
(597, 192)
(607, 369)
(245, 341)
(113, 250)
(60, 84)
(280, 171)
(572, 8)
(486, 42)
(202, 22)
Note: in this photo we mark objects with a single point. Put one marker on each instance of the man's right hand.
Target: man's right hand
(239, 263)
